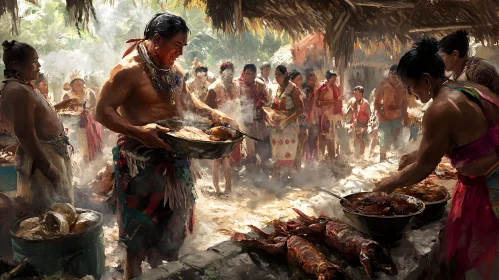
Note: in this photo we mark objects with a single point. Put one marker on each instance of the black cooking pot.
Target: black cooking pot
(433, 211)
(196, 148)
(381, 228)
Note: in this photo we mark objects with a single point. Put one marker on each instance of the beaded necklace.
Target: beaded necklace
(165, 80)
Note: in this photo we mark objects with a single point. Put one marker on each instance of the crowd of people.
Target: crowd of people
(299, 120)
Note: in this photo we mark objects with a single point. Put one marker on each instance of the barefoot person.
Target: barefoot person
(154, 190)
(42, 159)
(224, 95)
(361, 112)
(329, 104)
(390, 105)
(462, 123)
(254, 95)
(288, 106)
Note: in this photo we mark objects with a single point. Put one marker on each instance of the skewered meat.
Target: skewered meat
(353, 245)
(380, 204)
(298, 251)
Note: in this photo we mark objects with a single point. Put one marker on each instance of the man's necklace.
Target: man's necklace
(165, 80)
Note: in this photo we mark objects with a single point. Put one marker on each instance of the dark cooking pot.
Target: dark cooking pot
(196, 148)
(381, 228)
(433, 211)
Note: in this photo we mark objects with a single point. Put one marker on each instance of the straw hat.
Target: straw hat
(76, 76)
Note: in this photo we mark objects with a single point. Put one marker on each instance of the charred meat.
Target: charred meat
(352, 244)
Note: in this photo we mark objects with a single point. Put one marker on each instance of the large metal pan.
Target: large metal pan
(196, 148)
(381, 228)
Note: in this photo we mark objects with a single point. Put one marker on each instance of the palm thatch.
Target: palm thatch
(348, 24)
(79, 12)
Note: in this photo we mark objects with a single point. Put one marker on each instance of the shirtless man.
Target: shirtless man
(255, 95)
(393, 114)
(42, 159)
(224, 95)
(154, 189)
(198, 85)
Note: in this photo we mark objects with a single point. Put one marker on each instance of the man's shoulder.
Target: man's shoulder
(128, 67)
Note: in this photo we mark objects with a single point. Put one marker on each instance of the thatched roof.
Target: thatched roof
(79, 12)
(347, 23)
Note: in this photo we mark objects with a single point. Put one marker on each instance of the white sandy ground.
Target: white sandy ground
(218, 217)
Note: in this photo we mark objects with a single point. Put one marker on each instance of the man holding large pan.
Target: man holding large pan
(154, 188)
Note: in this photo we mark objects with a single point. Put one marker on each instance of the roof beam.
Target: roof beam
(432, 28)
(385, 4)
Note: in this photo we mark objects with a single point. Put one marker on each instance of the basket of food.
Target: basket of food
(434, 197)
(199, 140)
(383, 216)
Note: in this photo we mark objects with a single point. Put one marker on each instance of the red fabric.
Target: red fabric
(362, 117)
(324, 124)
(337, 108)
(236, 155)
(472, 229)
(94, 137)
(134, 42)
(253, 93)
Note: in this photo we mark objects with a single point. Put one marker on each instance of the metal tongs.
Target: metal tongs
(335, 195)
(242, 132)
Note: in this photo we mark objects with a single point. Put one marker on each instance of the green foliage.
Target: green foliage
(46, 27)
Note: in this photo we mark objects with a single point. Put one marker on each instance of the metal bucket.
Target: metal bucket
(77, 254)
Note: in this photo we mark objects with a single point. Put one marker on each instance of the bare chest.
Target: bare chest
(146, 104)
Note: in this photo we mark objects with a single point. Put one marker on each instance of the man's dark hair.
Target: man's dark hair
(251, 67)
(458, 40)
(265, 65)
(293, 74)
(14, 51)
(359, 88)
(393, 68)
(165, 24)
(423, 58)
(226, 65)
(329, 74)
(201, 69)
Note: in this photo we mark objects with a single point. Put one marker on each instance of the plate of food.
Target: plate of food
(434, 197)
(201, 140)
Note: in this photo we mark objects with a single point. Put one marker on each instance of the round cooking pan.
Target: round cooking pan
(433, 210)
(196, 148)
(382, 228)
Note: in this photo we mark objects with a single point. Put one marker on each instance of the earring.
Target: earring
(429, 92)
